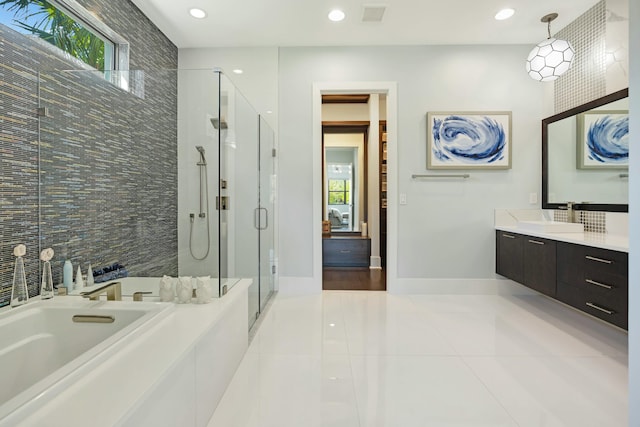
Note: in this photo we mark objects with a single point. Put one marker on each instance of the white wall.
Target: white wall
(634, 218)
(446, 229)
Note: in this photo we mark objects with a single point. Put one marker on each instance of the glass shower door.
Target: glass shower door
(240, 179)
(266, 214)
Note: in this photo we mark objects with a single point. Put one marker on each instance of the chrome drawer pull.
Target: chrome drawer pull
(536, 242)
(508, 236)
(602, 285)
(345, 252)
(604, 310)
(592, 258)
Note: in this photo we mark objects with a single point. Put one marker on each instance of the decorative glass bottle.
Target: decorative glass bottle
(19, 292)
(46, 288)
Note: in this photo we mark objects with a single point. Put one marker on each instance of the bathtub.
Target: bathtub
(48, 344)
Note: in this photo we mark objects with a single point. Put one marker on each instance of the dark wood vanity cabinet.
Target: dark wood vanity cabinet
(593, 280)
(527, 260)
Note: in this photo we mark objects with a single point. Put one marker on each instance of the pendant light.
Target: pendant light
(551, 58)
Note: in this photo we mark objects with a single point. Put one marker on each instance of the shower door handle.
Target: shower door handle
(257, 219)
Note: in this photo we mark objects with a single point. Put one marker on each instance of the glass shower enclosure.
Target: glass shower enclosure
(157, 172)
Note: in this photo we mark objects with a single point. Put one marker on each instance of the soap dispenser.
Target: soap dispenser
(67, 275)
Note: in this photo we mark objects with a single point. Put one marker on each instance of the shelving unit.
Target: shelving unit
(383, 191)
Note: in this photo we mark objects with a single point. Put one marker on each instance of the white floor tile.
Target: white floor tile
(370, 359)
(381, 325)
(423, 391)
(464, 303)
(537, 326)
(557, 391)
(315, 391)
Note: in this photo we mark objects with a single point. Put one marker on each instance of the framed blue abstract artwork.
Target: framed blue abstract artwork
(602, 140)
(469, 140)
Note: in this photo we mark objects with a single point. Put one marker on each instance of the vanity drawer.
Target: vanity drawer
(578, 265)
(609, 262)
(609, 305)
(346, 252)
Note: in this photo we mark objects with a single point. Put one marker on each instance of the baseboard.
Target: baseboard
(299, 285)
(375, 262)
(457, 287)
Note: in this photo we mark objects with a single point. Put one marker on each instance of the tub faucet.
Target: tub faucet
(113, 291)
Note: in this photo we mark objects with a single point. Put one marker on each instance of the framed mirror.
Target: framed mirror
(585, 153)
(345, 176)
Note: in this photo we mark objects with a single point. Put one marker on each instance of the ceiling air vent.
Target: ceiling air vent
(373, 13)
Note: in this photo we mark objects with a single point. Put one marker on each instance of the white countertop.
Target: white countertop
(612, 242)
(104, 395)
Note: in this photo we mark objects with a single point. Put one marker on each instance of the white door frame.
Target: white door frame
(390, 90)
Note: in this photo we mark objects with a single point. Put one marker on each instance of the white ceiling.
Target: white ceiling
(233, 23)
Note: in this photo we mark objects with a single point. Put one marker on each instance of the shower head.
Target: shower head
(203, 161)
(219, 124)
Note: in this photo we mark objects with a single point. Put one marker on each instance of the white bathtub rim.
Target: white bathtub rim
(25, 402)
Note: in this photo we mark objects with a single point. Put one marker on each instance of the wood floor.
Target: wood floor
(353, 279)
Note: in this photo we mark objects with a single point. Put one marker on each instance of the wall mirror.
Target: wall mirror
(345, 177)
(585, 154)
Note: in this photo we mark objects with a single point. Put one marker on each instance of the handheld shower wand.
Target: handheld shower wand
(203, 161)
(202, 164)
(204, 202)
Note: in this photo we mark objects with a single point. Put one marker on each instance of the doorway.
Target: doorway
(376, 90)
(351, 195)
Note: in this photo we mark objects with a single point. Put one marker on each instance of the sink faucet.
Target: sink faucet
(113, 291)
(571, 212)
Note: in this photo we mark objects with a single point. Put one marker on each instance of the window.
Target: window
(339, 192)
(69, 27)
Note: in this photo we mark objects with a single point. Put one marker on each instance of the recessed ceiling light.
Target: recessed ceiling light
(269, 111)
(336, 15)
(197, 13)
(238, 71)
(505, 14)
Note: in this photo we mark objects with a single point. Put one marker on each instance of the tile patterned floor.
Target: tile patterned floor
(356, 359)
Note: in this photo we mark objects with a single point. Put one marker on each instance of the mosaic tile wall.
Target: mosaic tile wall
(108, 158)
(593, 221)
(586, 80)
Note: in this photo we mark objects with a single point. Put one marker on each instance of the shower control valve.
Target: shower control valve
(202, 214)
